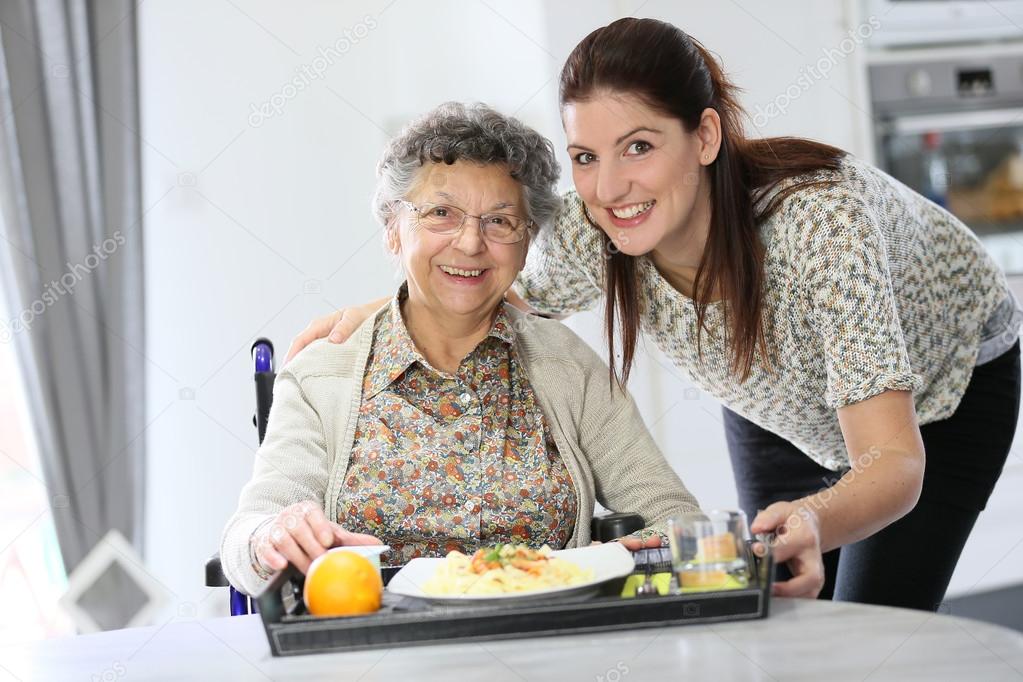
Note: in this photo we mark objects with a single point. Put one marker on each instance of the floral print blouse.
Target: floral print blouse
(445, 462)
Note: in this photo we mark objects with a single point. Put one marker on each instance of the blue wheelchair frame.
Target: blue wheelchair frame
(262, 352)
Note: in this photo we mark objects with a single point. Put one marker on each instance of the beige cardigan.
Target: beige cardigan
(599, 433)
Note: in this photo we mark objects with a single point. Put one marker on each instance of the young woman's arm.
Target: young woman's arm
(560, 277)
(886, 454)
(849, 304)
(564, 267)
(338, 326)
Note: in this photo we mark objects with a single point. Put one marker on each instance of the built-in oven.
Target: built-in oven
(949, 123)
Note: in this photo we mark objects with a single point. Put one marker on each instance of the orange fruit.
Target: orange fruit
(342, 584)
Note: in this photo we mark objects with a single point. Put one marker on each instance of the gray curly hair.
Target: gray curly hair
(469, 132)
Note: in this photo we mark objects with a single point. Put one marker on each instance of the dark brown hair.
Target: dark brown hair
(674, 74)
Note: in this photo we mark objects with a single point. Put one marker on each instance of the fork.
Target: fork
(648, 589)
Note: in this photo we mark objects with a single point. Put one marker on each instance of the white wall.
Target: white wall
(252, 230)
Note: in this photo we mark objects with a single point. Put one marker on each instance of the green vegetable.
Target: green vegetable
(494, 554)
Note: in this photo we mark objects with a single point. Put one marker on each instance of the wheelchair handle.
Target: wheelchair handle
(263, 355)
(263, 361)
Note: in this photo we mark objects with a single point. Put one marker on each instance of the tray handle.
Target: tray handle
(282, 596)
(763, 565)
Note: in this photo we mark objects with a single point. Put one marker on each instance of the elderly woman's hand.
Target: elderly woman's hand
(299, 534)
(337, 327)
(642, 540)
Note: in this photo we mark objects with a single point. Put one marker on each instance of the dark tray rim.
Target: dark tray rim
(606, 612)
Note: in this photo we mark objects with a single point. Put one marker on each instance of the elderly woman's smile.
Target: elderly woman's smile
(454, 238)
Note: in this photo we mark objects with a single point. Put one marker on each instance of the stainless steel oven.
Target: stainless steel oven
(949, 123)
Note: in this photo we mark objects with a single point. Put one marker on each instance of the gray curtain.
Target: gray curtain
(71, 254)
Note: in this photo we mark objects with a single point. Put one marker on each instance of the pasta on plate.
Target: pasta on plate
(504, 569)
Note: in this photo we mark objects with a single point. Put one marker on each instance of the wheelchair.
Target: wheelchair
(262, 354)
(604, 528)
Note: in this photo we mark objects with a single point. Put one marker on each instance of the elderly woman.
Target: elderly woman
(449, 420)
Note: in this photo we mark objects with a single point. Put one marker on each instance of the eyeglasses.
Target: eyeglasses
(501, 228)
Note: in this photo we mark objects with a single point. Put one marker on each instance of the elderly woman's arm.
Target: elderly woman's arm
(630, 472)
(291, 467)
(280, 513)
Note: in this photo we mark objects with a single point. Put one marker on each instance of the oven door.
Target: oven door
(969, 162)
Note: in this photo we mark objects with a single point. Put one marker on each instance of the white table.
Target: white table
(809, 640)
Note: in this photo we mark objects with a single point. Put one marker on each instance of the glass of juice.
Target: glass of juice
(708, 550)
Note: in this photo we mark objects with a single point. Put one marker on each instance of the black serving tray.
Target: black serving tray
(404, 621)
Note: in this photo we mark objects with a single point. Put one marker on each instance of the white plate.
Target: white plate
(608, 561)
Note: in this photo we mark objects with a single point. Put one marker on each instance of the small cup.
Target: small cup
(371, 552)
(708, 549)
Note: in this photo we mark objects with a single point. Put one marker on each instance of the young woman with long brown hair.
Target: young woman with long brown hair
(846, 323)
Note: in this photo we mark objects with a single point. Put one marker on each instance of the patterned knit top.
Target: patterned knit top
(868, 287)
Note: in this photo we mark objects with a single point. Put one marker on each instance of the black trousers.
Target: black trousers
(910, 562)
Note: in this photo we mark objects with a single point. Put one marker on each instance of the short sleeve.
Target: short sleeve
(564, 268)
(848, 289)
